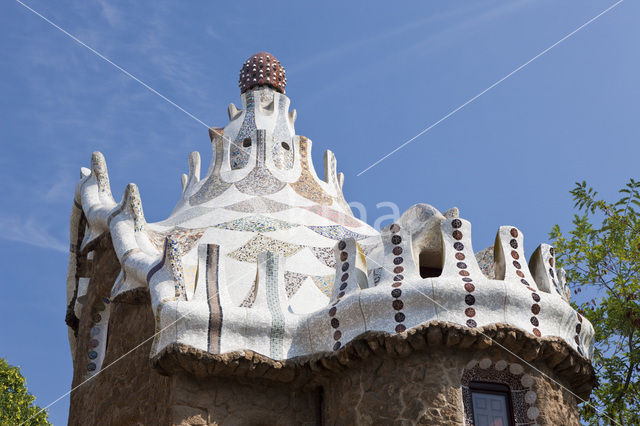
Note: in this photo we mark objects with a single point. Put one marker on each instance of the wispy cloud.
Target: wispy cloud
(30, 231)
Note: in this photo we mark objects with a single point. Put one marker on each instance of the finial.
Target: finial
(262, 69)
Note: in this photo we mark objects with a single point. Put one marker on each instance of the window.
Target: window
(491, 404)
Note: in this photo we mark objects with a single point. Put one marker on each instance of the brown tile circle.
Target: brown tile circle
(337, 335)
(513, 244)
(335, 323)
(396, 292)
(579, 317)
(398, 260)
(515, 254)
(398, 270)
(394, 228)
(458, 246)
(342, 245)
(97, 318)
(399, 317)
(535, 321)
(397, 251)
(93, 343)
(457, 235)
(400, 328)
(514, 232)
(460, 256)
(577, 340)
(397, 304)
(469, 287)
(396, 239)
(535, 309)
(344, 256)
(332, 311)
(578, 328)
(464, 273)
(536, 332)
(336, 346)
(396, 285)
(520, 274)
(344, 277)
(456, 223)
(551, 261)
(341, 294)
(470, 312)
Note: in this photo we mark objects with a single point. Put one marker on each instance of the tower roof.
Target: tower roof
(262, 69)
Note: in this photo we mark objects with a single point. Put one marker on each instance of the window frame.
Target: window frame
(495, 389)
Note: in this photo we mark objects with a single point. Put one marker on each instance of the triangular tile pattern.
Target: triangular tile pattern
(255, 224)
(258, 205)
(260, 244)
(336, 232)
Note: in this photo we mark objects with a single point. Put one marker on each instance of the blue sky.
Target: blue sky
(364, 77)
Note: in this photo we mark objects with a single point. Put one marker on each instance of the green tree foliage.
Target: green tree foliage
(16, 403)
(601, 255)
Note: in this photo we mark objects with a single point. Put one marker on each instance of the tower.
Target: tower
(261, 299)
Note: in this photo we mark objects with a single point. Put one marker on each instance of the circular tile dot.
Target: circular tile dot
(530, 397)
(551, 261)
(397, 251)
(469, 287)
(470, 312)
(537, 332)
(456, 223)
(336, 346)
(91, 366)
(344, 277)
(469, 299)
(106, 300)
(464, 273)
(580, 351)
(94, 331)
(515, 254)
(457, 235)
(531, 289)
(533, 413)
(397, 304)
(345, 266)
(458, 246)
(332, 311)
(341, 294)
(97, 318)
(461, 265)
(516, 369)
(471, 364)
(535, 308)
(578, 328)
(471, 323)
(513, 244)
(517, 264)
(398, 277)
(93, 343)
(99, 307)
(551, 273)
(335, 323)
(520, 274)
(535, 296)
(397, 260)
(579, 317)
(526, 380)
(500, 365)
(92, 354)
(396, 292)
(467, 280)
(399, 317)
(343, 286)
(525, 282)
(398, 270)
(396, 239)
(485, 363)
(400, 328)
(577, 340)
(337, 335)
(344, 256)
(396, 285)
(514, 232)
(535, 321)
(342, 245)
(552, 251)
(394, 228)
(460, 256)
